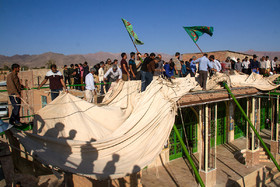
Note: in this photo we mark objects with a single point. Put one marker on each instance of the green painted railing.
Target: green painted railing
(252, 126)
(274, 93)
(188, 157)
(35, 88)
(20, 117)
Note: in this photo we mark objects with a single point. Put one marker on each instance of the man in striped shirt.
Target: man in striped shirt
(56, 81)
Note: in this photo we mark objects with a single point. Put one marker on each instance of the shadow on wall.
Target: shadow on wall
(38, 120)
(88, 155)
(59, 150)
(232, 183)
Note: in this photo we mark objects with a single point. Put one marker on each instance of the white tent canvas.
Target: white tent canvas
(123, 134)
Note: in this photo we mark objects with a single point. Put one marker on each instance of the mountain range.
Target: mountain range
(61, 59)
(271, 54)
(92, 58)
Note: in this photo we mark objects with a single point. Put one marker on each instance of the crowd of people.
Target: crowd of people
(138, 67)
(145, 67)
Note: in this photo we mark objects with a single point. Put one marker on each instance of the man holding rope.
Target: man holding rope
(14, 88)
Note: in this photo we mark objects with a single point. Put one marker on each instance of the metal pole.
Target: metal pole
(206, 153)
(252, 126)
(135, 47)
(133, 42)
(188, 156)
(198, 47)
(254, 120)
(215, 137)
(200, 127)
(247, 127)
(277, 117)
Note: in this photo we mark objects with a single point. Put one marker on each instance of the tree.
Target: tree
(6, 67)
(24, 68)
(50, 62)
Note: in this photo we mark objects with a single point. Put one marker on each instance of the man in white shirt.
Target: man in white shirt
(90, 88)
(267, 64)
(274, 65)
(114, 74)
(138, 65)
(101, 77)
(262, 65)
(204, 65)
(245, 65)
(216, 64)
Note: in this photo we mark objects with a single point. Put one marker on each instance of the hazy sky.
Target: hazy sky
(89, 26)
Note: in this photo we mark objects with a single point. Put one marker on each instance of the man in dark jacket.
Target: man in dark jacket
(255, 65)
(14, 88)
(144, 69)
(150, 73)
(86, 69)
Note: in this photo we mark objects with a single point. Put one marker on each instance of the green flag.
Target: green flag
(196, 31)
(129, 29)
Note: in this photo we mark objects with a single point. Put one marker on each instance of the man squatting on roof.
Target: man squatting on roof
(114, 74)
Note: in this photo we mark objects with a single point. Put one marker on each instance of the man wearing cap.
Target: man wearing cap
(114, 74)
(107, 65)
(233, 63)
(178, 66)
(90, 88)
(245, 65)
(255, 65)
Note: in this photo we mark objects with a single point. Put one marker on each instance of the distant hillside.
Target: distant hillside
(61, 59)
(41, 60)
(271, 54)
(92, 58)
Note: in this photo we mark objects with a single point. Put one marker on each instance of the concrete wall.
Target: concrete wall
(31, 99)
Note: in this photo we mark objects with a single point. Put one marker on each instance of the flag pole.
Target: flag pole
(130, 37)
(135, 46)
(198, 47)
(133, 43)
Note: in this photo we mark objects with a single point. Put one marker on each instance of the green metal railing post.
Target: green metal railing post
(252, 127)
(44, 87)
(188, 156)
